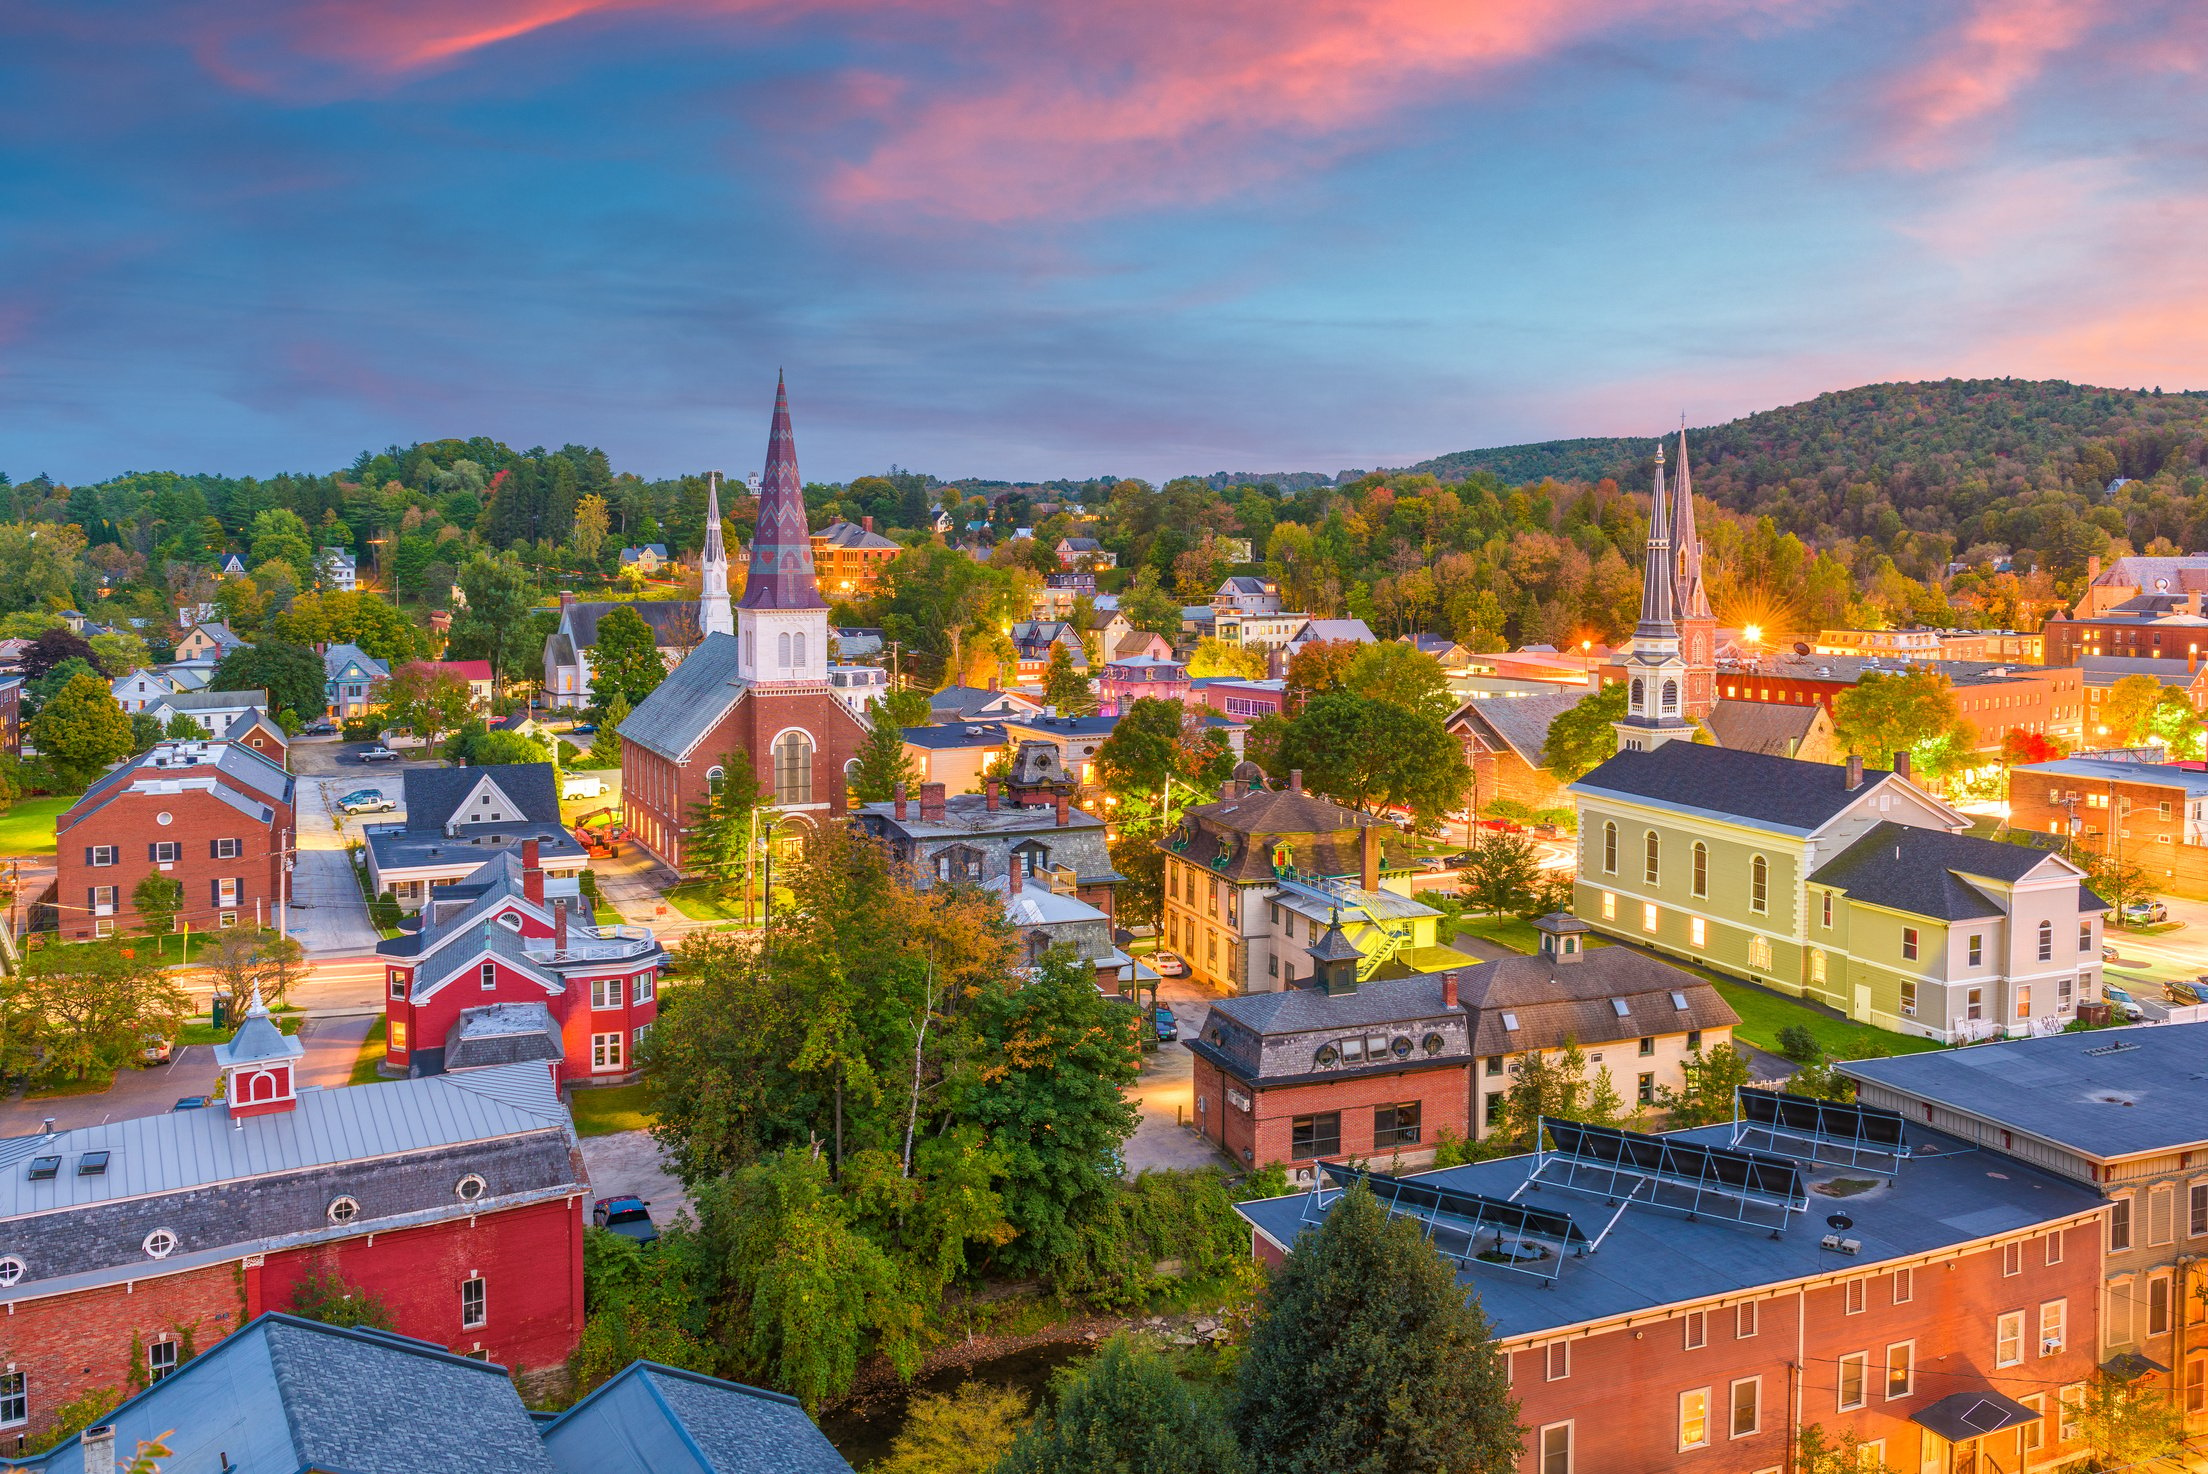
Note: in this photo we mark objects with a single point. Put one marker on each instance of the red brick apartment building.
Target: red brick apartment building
(2153, 814)
(1945, 1312)
(125, 1247)
(216, 816)
(1996, 699)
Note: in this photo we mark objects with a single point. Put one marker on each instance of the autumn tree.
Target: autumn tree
(81, 731)
(1321, 665)
(1396, 672)
(592, 522)
(423, 698)
(1215, 657)
(1584, 734)
(1881, 715)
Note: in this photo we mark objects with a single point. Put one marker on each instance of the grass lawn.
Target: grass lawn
(1763, 1014)
(90, 1085)
(28, 828)
(201, 1031)
(1513, 932)
(370, 1056)
(699, 904)
(615, 1108)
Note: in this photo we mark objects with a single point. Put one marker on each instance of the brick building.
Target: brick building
(2152, 814)
(1944, 1312)
(216, 816)
(850, 558)
(456, 1201)
(1141, 678)
(2144, 608)
(1994, 698)
(1503, 737)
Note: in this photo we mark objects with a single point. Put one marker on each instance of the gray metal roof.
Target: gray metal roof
(2107, 770)
(211, 700)
(690, 702)
(2101, 1092)
(1520, 722)
(404, 849)
(945, 738)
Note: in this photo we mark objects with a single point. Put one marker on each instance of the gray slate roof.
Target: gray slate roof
(432, 794)
(690, 702)
(211, 700)
(1920, 871)
(1775, 729)
(2105, 1092)
(654, 1419)
(1521, 723)
(1777, 792)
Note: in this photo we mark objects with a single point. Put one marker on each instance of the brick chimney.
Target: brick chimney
(559, 920)
(1855, 771)
(1368, 847)
(1065, 811)
(867, 523)
(900, 797)
(532, 875)
(931, 802)
(1295, 780)
(1449, 989)
(989, 792)
(1901, 763)
(2092, 568)
(567, 598)
(1012, 878)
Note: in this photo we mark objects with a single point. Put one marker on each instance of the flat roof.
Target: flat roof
(2113, 770)
(2101, 1092)
(1654, 1258)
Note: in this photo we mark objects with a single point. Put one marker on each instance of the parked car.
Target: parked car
(2142, 913)
(2185, 994)
(2108, 951)
(157, 1051)
(1503, 826)
(1169, 1027)
(1167, 965)
(379, 754)
(192, 1103)
(323, 728)
(2122, 1003)
(367, 801)
(629, 1217)
(583, 729)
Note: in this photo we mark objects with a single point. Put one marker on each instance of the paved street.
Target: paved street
(629, 1163)
(1166, 1093)
(327, 913)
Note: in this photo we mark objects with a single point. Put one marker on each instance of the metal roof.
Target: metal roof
(690, 702)
(2108, 770)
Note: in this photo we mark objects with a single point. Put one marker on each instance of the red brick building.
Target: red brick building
(456, 1201)
(497, 975)
(1994, 698)
(216, 816)
(2153, 814)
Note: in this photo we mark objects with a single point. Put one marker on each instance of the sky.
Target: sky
(1037, 238)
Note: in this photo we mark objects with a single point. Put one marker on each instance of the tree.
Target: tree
(1397, 672)
(119, 653)
(1503, 872)
(52, 648)
(1155, 744)
(964, 1433)
(591, 524)
(326, 1296)
(157, 899)
(883, 761)
(1374, 754)
(1555, 1084)
(1148, 607)
(1127, 1410)
(292, 675)
(1215, 657)
(1706, 1092)
(182, 726)
(2127, 712)
(90, 1007)
(1913, 712)
(423, 698)
(281, 536)
(1819, 1452)
(1369, 1358)
(145, 731)
(495, 626)
(477, 745)
(2128, 1425)
(81, 731)
(1319, 666)
(723, 825)
(626, 661)
(360, 618)
(605, 744)
(2019, 747)
(245, 962)
(1064, 687)
(1584, 734)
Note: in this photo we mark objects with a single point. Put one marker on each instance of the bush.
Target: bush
(1509, 808)
(1185, 1216)
(587, 881)
(1564, 821)
(362, 728)
(570, 756)
(1798, 1044)
(384, 911)
(326, 1297)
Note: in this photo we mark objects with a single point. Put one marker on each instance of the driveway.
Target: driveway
(332, 1045)
(1165, 1093)
(630, 1164)
(328, 914)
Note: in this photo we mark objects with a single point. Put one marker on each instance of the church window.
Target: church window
(1701, 869)
(797, 650)
(793, 768)
(1610, 849)
(1638, 693)
(1671, 696)
(1652, 870)
(750, 660)
(714, 777)
(782, 649)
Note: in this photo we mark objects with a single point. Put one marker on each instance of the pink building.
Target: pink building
(1242, 699)
(1141, 678)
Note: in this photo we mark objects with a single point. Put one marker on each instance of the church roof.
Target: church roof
(781, 574)
(685, 706)
(673, 621)
(1690, 599)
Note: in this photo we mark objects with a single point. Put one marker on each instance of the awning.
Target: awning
(1961, 1416)
(2130, 1366)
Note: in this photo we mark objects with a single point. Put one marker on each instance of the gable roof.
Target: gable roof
(337, 657)
(434, 795)
(1770, 792)
(654, 1419)
(1772, 728)
(216, 630)
(690, 702)
(1336, 629)
(211, 700)
(840, 534)
(1520, 723)
(672, 620)
(1552, 1003)
(1921, 871)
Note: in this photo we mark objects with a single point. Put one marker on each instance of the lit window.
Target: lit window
(398, 1036)
(2008, 1339)
(1694, 1419)
(1909, 943)
(1698, 932)
(1854, 1373)
(1648, 916)
(1609, 906)
(793, 768)
(1901, 1369)
(1759, 953)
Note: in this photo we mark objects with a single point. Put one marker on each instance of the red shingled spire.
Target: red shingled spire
(781, 575)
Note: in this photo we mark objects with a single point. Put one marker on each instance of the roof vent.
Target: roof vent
(1679, 1001)
(92, 1164)
(2116, 1048)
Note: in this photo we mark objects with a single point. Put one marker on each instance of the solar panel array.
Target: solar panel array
(1497, 1213)
(1671, 1159)
(1823, 1120)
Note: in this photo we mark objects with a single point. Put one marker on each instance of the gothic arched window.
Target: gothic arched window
(782, 649)
(1652, 868)
(1701, 868)
(793, 768)
(797, 650)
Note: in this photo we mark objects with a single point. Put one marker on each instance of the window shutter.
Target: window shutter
(91, 899)
(153, 852)
(214, 849)
(214, 889)
(88, 854)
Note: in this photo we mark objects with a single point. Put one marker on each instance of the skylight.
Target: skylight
(92, 1164)
(45, 1169)
(1679, 1001)
(1619, 1007)
(1510, 1023)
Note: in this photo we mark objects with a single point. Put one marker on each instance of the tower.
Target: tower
(1690, 598)
(781, 622)
(1655, 671)
(713, 613)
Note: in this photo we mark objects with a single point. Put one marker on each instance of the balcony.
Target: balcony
(595, 944)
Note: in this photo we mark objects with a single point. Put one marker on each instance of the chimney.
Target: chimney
(559, 918)
(2192, 603)
(900, 800)
(1369, 852)
(867, 523)
(1901, 763)
(1855, 771)
(931, 802)
(532, 875)
(2092, 568)
(567, 598)
(1295, 780)
(1449, 989)
(1012, 878)
(992, 683)
(1229, 791)
(1065, 811)
(99, 1449)
(989, 795)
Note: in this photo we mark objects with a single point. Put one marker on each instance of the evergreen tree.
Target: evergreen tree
(1710, 1078)
(1126, 1412)
(883, 761)
(1368, 1358)
(81, 731)
(719, 844)
(626, 661)
(1066, 688)
(605, 746)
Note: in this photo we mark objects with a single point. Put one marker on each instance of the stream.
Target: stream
(863, 1428)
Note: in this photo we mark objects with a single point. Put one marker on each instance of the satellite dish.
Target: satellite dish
(1840, 1221)
(1801, 647)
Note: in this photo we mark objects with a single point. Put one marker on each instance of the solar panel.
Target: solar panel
(1496, 1213)
(1670, 1158)
(1823, 1120)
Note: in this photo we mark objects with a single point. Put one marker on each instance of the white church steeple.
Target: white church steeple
(714, 615)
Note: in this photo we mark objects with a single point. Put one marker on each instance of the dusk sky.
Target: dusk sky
(1066, 237)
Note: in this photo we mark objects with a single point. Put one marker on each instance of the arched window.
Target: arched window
(782, 649)
(1609, 849)
(714, 778)
(1701, 868)
(1637, 693)
(793, 768)
(751, 659)
(1651, 858)
(1671, 696)
(1759, 883)
(797, 650)
(2046, 941)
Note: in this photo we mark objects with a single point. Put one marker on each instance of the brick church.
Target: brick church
(755, 690)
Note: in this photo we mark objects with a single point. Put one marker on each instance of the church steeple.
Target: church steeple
(1689, 598)
(1655, 672)
(1657, 609)
(781, 620)
(714, 617)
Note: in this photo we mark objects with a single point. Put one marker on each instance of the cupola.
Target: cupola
(259, 1065)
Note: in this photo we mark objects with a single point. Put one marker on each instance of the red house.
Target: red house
(457, 1202)
(496, 976)
(216, 816)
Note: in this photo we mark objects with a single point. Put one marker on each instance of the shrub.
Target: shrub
(362, 728)
(1509, 808)
(1184, 1216)
(1798, 1044)
(325, 1296)
(570, 755)
(1564, 821)
(384, 911)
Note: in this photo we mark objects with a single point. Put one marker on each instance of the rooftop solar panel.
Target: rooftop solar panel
(1672, 1159)
(1496, 1213)
(1823, 1120)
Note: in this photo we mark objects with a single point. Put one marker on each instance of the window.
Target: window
(2054, 1323)
(161, 1359)
(1315, 1136)
(15, 1399)
(2053, 1251)
(605, 1051)
(227, 891)
(2199, 1224)
(1977, 950)
(1853, 1297)
(1558, 1363)
(2085, 936)
(1694, 1419)
(2023, 1000)
(490, 975)
(2035, 1432)
(1671, 696)
(163, 852)
(2196, 1388)
(1556, 1449)
(2116, 1312)
(1854, 1379)
(1494, 1064)
(1651, 867)
(102, 854)
(1909, 997)
(1694, 1041)
(1698, 933)
(1695, 1328)
(1648, 916)
(2069, 1401)
(1395, 1125)
(2158, 1305)
(2008, 1339)
(1609, 906)
(2161, 1214)
(1759, 884)
(475, 1310)
(1901, 1369)
(1817, 967)
(1609, 850)
(1744, 1320)
(1828, 908)
(2046, 941)
(1759, 953)
(1492, 1112)
(1701, 868)
(793, 768)
(605, 992)
(641, 990)
(398, 983)
(1909, 943)
(2012, 1258)
(1647, 1092)
(398, 1036)
(160, 1244)
(342, 1210)
(2119, 1224)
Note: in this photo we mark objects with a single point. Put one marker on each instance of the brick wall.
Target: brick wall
(2155, 844)
(131, 822)
(1266, 1130)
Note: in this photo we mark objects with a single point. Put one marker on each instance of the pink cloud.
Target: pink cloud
(1978, 67)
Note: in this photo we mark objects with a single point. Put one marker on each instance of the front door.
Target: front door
(1862, 1002)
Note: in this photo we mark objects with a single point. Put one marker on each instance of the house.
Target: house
(676, 631)
(138, 688)
(232, 565)
(647, 560)
(207, 642)
(334, 568)
(185, 676)
(1803, 732)
(2153, 814)
(500, 973)
(1336, 1068)
(290, 1393)
(848, 558)
(261, 732)
(1035, 641)
(1045, 913)
(456, 818)
(216, 816)
(1247, 594)
(1084, 553)
(1849, 886)
(349, 678)
(477, 674)
(2119, 1113)
(755, 690)
(854, 643)
(1027, 822)
(1322, 631)
(1686, 1299)
(456, 1201)
(1142, 644)
(1504, 738)
(1453, 656)
(11, 713)
(214, 710)
(972, 703)
(956, 753)
(1129, 679)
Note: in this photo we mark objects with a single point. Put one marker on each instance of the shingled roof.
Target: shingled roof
(1519, 723)
(1773, 729)
(1922, 871)
(1322, 836)
(1553, 1002)
(1776, 792)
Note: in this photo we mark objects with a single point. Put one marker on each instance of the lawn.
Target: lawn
(615, 1108)
(1513, 932)
(1763, 1014)
(370, 1056)
(201, 1031)
(699, 903)
(28, 828)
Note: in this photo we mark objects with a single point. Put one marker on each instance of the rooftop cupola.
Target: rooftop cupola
(1334, 960)
(1563, 937)
(259, 1064)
